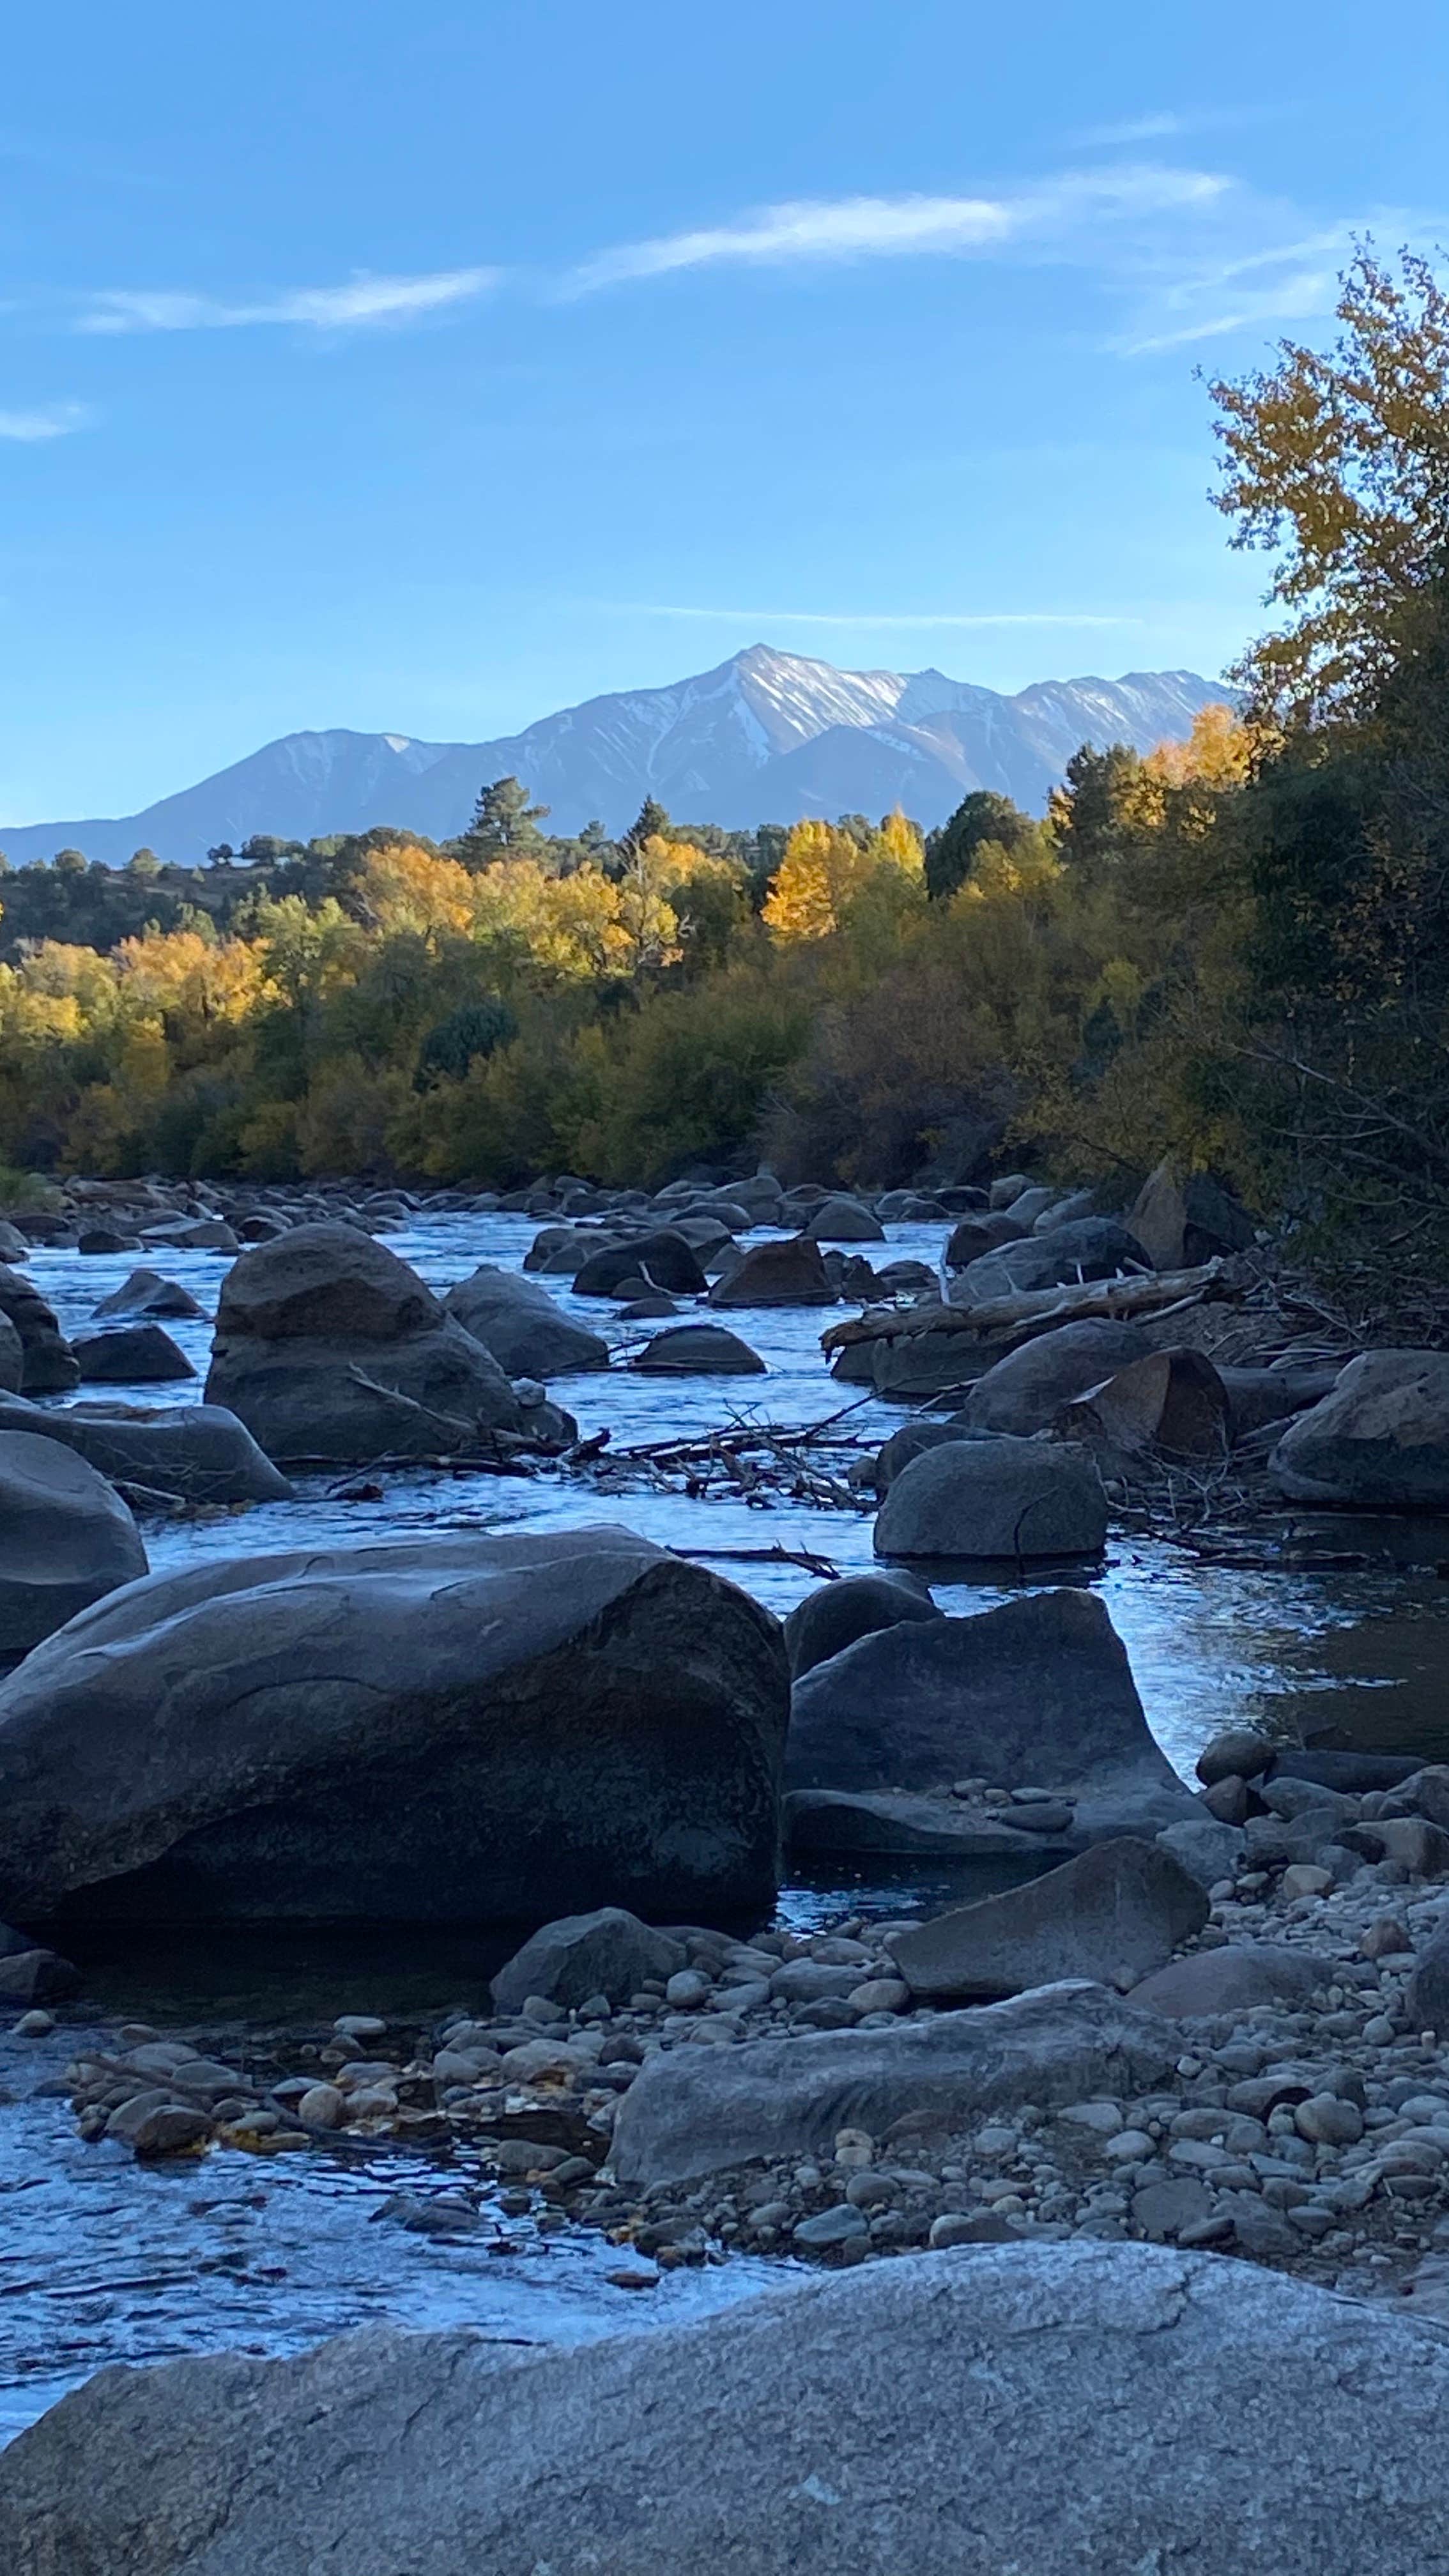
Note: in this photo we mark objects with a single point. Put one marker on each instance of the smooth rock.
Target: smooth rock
(700, 1350)
(1015, 1500)
(786, 1272)
(146, 1292)
(843, 1220)
(1380, 1440)
(47, 1362)
(1120, 1909)
(520, 1324)
(858, 1605)
(1024, 1392)
(66, 1539)
(1094, 1247)
(1233, 1979)
(130, 1355)
(608, 1952)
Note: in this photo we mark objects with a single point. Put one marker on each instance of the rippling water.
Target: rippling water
(102, 2260)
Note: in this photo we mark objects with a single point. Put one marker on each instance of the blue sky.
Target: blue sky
(426, 369)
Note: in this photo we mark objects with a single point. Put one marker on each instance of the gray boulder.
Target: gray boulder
(1233, 1979)
(452, 1728)
(193, 1234)
(1054, 2408)
(330, 1348)
(130, 1355)
(1023, 1392)
(1094, 1247)
(1113, 1915)
(843, 1220)
(818, 1821)
(786, 1272)
(1208, 1848)
(693, 2111)
(911, 1441)
(1188, 1219)
(515, 1319)
(198, 1452)
(12, 1357)
(65, 1539)
(974, 1236)
(608, 1952)
(146, 1293)
(664, 1259)
(698, 1350)
(828, 1621)
(1037, 1693)
(48, 1364)
(1379, 1440)
(998, 1497)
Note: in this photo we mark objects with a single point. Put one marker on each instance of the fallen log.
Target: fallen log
(1036, 1310)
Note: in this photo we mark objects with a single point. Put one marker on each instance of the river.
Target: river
(102, 2260)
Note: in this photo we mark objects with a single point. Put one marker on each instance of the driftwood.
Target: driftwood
(1037, 1310)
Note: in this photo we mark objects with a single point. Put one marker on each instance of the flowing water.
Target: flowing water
(102, 2260)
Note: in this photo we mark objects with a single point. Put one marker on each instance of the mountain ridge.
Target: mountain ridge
(764, 737)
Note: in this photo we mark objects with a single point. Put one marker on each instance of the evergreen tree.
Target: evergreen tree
(504, 826)
(951, 852)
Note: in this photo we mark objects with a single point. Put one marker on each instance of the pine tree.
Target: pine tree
(504, 826)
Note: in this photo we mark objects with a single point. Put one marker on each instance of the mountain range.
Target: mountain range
(765, 737)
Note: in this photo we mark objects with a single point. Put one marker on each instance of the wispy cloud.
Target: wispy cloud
(863, 617)
(1136, 129)
(363, 300)
(46, 420)
(815, 229)
(1294, 281)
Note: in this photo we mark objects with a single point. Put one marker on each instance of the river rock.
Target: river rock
(1036, 1693)
(828, 1621)
(130, 1355)
(449, 1728)
(1380, 1440)
(1024, 1392)
(995, 1497)
(698, 1350)
(147, 1293)
(518, 1321)
(12, 1357)
(48, 1364)
(608, 1952)
(1427, 1998)
(193, 1234)
(911, 1441)
(1172, 1401)
(1131, 2408)
(1207, 1846)
(36, 1976)
(978, 1234)
(664, 1259)
(199, 1452)
(1187, 1219)
(819, 1821)
(1094, 1247)
(786, 1272)
(693, 2111)
(1117, 1912)
(66, 1539)
(1234, 1978)
(329, 1347)
(843, 1220)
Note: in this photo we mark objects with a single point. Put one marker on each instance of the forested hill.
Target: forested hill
(766, 736)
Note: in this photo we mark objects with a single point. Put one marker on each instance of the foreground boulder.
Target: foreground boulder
(527, 1334)
(1121, 2408)
(330, 1348)
(1380, 1439)
(198, 1452)
(1114, 1915)
(445, 1729)
(1038, 1693)
(48, 1365)
(788, 1272)
(995, 1497)
(1024, 1392)
(66, 1539)
(693, 2111)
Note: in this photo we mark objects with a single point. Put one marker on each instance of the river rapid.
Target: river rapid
(102, 2260)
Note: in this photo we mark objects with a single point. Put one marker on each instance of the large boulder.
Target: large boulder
(66, 1539)
(147, 1293)
(843, 1220)
(1170, 1401)
(858, 1605)
(1187, 1218)
(130, 1355)
(698, 1350)
(1235, 1978)
(199, 1452)
(453, 1728)
(1024, 1392)
(515, 1319)
(1052, 2407)
(664, 1259)
(330, 1348)
(1114, 1914)
(48, 1364)
(1037, 1693)
(609, 1952)
(1093, 1247)
(974, 1236)
(994, 1498)
(789, 1271)
(693, 2111)
(1379, 1440)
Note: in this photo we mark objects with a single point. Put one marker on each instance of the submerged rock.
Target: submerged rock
(453, 1728)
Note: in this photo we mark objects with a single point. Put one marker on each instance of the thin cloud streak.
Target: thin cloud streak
(835, 229)
(48, 420)
(364, 300)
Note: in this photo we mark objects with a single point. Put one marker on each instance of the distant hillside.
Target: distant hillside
(765, 737)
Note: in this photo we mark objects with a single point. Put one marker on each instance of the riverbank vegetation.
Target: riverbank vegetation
(1234, 950)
